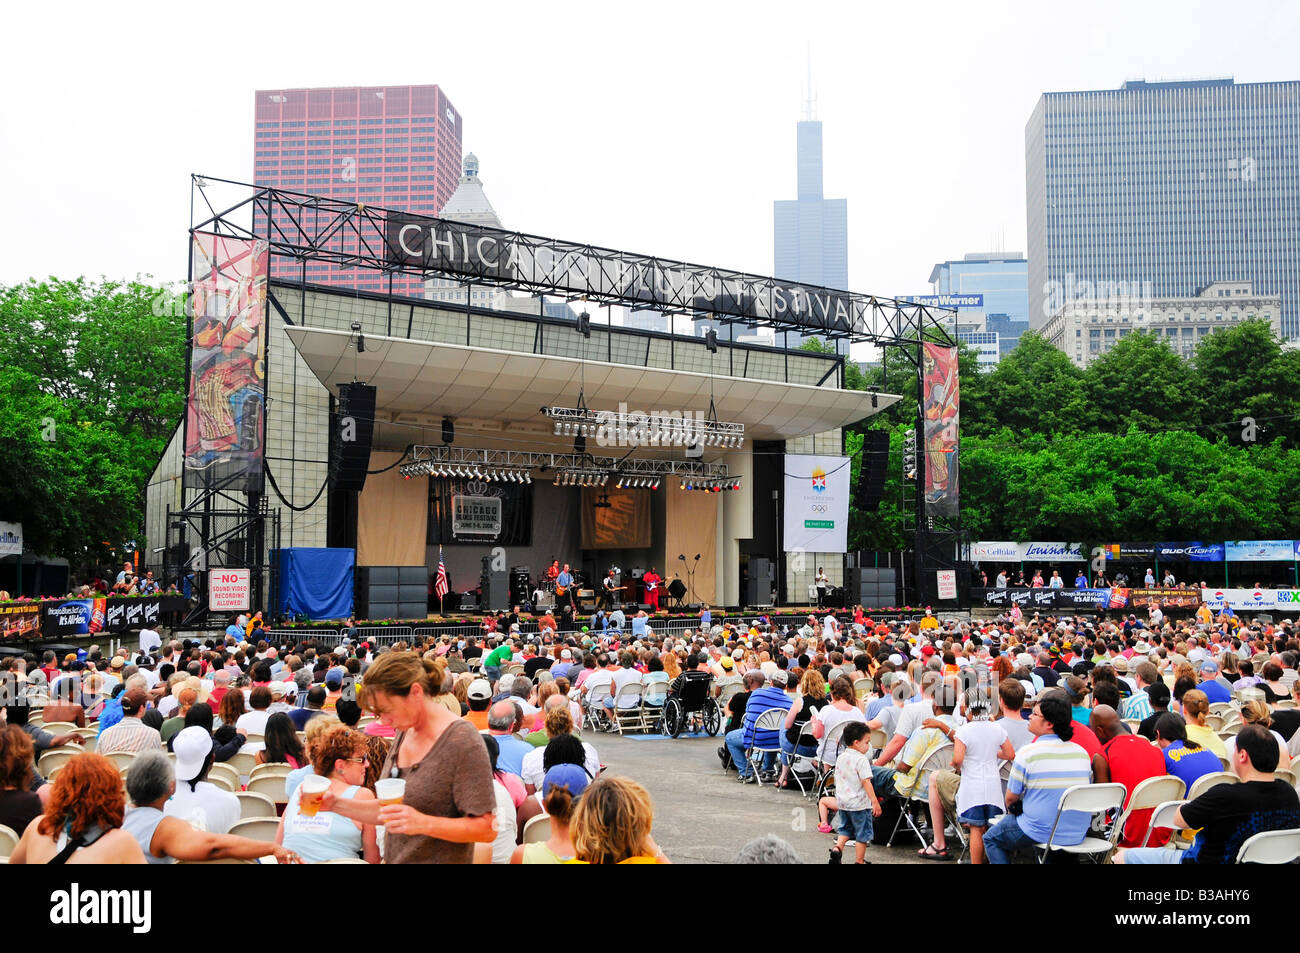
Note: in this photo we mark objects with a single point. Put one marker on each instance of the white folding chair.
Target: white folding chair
(52, 761)
(1270, 847)
(772, 720)
(8, 840)
(1207, 781)
(1163, 816)
(537, 830)
(594, 704)
(1148, 794)
(626, 714)
(939, 758)
(258, 828)
(1090, 799)
(804, 767)
(652, 704)
(862, 687)
(271, 785)
(223, 774)
(254, 804)
(276, 769)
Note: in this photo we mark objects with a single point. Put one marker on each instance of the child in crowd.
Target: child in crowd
(854, 793)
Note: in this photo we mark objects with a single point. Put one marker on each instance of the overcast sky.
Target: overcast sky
(660, 128)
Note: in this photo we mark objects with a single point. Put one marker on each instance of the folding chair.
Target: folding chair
(1163, 816)
(52, 761)
(652, 704)
(628, 715)
(727, 694)
(8, 841)
(1207, 781)
(1270, 847)
(59, 727)
(258, 828)
(254, 804)
(1286, 774)
(833, 742)
(243, 762)
(940, 757)
(224, 774)
(1150, 793)
(272, 786)
(862, 687)
(1091, 799)
(771, 720)
(804, 766)
(121, 759)
(274, 769)
(593, 703)
(537, 830)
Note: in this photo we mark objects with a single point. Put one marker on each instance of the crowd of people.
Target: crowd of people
(484, 736)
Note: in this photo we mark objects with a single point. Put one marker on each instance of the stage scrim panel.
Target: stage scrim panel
(391, 516)
(624, 524)
(692, 527)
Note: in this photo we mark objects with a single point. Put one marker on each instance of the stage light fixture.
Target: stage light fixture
(448, 431)
(558, 427)
(584, 324)
(711, 340)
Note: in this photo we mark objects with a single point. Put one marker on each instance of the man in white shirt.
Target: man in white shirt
(204, 805)
(150, 639)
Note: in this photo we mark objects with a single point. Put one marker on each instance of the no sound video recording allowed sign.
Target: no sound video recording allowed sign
(228, 590)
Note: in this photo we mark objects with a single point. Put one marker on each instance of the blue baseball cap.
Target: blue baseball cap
(572, 776)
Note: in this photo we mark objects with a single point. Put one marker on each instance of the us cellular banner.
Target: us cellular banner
(227, 387)
(940, 406)
(817, 504)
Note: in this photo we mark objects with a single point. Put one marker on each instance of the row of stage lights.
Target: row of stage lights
(638, 483)
(661, 436)
(486, 474)
(710, 486)
(581, 478)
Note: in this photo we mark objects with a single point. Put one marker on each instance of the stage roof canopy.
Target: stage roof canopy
(416, 377)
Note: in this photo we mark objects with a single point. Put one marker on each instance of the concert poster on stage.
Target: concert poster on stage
(940, 408)
(224, 414)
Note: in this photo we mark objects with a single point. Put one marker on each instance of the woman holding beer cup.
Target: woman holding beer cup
(315, 833)
(434, 795)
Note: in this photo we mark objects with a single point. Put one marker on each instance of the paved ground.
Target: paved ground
(704, 816)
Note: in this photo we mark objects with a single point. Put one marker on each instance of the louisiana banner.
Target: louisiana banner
(227, 386)
(939, 407)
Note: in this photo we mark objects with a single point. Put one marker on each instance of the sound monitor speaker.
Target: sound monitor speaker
(872, 469)
(350, 437)
(497, 591)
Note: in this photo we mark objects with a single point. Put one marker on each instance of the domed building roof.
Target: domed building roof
(469, 203)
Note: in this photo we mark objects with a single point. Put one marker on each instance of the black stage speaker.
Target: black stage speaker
(350, 437)
(872, 470)
(496, 594)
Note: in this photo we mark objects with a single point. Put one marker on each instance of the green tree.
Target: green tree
(1141, 382)
(1244, 372)
(91, 388)
(1035, 389)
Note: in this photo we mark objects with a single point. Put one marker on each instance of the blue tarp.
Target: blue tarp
(316, 583)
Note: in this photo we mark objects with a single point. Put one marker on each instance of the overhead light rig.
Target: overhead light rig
(569, 469)
(648, 430)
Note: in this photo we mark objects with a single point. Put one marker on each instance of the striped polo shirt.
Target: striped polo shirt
(1040, 773)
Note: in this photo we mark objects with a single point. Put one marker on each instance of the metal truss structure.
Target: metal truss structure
(491, 465)
(307, 227)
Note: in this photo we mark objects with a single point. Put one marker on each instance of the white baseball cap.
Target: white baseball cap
(192, 746)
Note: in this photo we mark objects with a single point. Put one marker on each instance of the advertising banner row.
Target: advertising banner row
(1087, 600)
(1233, 551)
(36, 620)
(1252, 600)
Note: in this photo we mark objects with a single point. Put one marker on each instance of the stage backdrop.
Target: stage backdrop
(391, 516)
(624, 524)
(816, 504)
(224, 429)
(691, 525)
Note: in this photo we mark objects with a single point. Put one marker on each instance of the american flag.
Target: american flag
(440, 587)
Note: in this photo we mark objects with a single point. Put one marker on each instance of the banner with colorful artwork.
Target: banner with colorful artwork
(224, 430)
(939, 407)
(21, 621)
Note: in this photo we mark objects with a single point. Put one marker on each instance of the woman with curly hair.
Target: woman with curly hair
(82, 823)
(611, 825)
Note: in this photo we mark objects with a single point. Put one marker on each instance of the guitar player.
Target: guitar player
(608, 586)
(652, 581)
(564, 594)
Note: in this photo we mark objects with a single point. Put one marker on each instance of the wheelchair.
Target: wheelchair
(694, 704)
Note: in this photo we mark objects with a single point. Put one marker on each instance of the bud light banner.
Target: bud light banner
(939, 407)
(1191, 552)
(224, 413)
(1260, 550)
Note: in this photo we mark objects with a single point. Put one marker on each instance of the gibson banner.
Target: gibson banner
(227, 386)
(940, 409)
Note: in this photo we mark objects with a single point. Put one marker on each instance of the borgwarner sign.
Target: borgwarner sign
(512, 258)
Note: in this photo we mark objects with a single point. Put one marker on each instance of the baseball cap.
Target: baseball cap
(572, 776)
(133, 702)
(479, 689)
(118, 662)
(192, 746)
(779, 677)
(727, 663)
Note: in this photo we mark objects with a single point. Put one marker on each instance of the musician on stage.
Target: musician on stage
(652, 580)
(564, 594)
(608, 586)
(553, 571)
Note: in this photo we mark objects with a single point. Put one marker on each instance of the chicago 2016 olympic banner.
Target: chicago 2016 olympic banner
(940, 409)
(816, 504)
(227, 387)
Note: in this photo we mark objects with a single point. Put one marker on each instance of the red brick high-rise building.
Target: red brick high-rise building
(395, 147)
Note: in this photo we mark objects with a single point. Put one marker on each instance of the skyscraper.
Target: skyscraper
(1001, 279)
(391, 146)
(811, 232)
(1159, 190)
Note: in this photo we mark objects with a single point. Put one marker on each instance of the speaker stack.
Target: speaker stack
(758, 583)
(871, 588)
(872, 470)
(350, 437)
(392, 592)
(521, 584)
